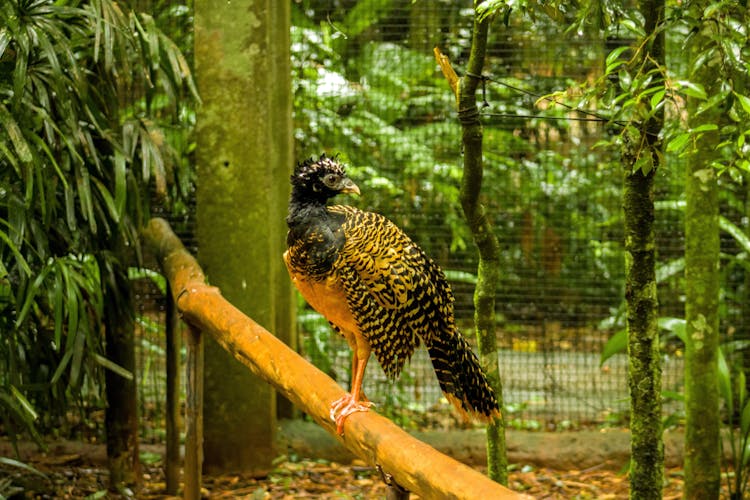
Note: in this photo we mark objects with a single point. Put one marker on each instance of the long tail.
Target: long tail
(461, 377)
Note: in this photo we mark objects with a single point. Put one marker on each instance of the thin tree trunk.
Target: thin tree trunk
(644, 365)
(486, 241)
(121, 413)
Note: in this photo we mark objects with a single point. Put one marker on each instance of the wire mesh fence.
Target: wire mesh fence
(366, 86)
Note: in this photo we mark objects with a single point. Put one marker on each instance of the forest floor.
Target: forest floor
(72, 470)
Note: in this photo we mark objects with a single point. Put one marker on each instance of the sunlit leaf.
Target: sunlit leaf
(136, 273)
(706, 127)
(16, 136)
(744, 101)
(692, 89)
(25, 404)
(114, 367)
(5, 38)
(676, 326)
(678, 142)
(737, 233)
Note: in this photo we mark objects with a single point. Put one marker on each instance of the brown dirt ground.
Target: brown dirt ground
(73, 470)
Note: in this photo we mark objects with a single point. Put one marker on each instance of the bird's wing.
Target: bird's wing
(395, 292)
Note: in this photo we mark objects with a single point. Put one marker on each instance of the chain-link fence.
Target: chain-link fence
(366, 86)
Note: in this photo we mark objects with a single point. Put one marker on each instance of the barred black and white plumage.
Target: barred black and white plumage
(378, 289)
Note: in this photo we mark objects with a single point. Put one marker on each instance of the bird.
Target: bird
(377, 289)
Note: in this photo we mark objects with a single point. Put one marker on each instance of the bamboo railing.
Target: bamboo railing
(412, 464)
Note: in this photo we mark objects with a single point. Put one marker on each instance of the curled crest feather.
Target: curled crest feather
(307, 170)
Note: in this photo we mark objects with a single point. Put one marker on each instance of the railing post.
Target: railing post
(172, 467)
(194, 415)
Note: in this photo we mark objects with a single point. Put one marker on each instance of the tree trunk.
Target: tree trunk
(644, 367)
(644, 364)
(244, 159)
(486, 241)
(702, 418)
(121, 413)
(702, 450)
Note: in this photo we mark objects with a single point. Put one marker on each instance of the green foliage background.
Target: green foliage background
(94, 123)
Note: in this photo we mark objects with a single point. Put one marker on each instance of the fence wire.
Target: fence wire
(365, 85)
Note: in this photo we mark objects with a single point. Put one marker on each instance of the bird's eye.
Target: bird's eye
(330, 179)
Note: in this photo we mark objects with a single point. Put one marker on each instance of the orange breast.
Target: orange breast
(327, 297)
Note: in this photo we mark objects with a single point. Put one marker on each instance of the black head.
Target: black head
(321, 179)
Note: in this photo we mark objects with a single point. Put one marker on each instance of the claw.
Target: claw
(342, 408)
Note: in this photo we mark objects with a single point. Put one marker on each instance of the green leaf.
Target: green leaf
(135, 273)
(461, 276)
(17, 253)
(111, 365)
(644, 162)
(678, 142)
(745, 418)
(673, 395)
(25, 404)
(691, 89)
(614, 56)
(735, 231)
(706, 127)
(57, 301)
(657, 99)
(725, 382)
(676, 326)
(71, 306)
(109, 202)
(20, 465)
(669, 269)
(97, 495)
(16, 136)
(61, 366)
(744, 101)
(491, 7)
(711, 102)
(79, 343)
(617, 344)
(30, 297)
(5, 38)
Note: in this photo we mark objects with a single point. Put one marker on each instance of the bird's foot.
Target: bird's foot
(342, 408)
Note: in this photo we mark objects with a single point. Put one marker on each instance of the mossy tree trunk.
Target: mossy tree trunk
(642, 159)
(702, 419)
(488, 272)
(702, 450)
(244, 159)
